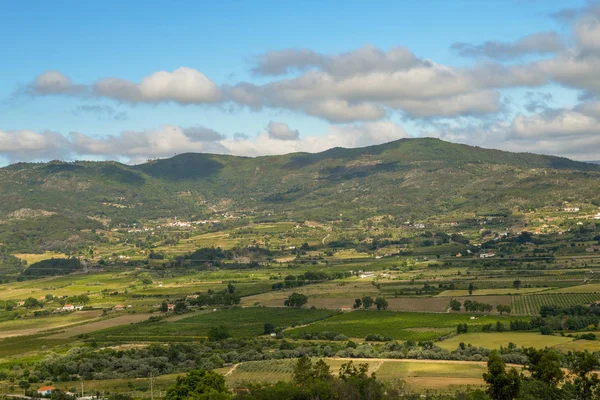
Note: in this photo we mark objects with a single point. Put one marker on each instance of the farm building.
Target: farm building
(46, 390)
(487, 255)
(119, 307)
(68, 307)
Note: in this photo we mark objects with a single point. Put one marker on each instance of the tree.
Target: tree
(230, 288)
(517, 284)
(471, 288)
(462, 328)
(357, 303)
(180, 307)
(31, 302)
(24, 385)
(269, 328)
(381, 303)
(455, 305)
(502, 385)
(218, 333)
(367, 302)
(200, 385)
(164, 306)
(545, 366)
(503, 309)
(296, 300)
(586, 383)
(302, 370)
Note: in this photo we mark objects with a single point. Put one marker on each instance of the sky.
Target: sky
(137, 80)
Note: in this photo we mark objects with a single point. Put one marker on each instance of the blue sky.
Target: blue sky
(88, 42)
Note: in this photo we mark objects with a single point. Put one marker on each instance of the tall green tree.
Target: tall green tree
(199, 384)
(502, 385)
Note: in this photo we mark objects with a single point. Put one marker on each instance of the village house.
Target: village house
(487, 255)
(593, 248)
(119, 307)
(170, 307)
(46, 390)
(68, 307)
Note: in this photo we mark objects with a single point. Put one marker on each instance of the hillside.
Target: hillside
(411, 178)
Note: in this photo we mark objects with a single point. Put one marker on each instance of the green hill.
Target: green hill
(414, 178)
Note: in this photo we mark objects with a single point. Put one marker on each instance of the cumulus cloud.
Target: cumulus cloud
(26, 145)
(536, 44)
(367, 84)
(168, 140)
(281, 131)
(348, 136)
(183, 86)
(54, 82)
(569, 132)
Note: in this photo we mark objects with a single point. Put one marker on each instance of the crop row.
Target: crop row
(530, 304)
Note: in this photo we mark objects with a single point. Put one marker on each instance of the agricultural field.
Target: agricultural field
(420, 375)
(494, 340)
(397, 325)
(530, 305)
(240, 323)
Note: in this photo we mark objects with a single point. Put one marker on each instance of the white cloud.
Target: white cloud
(26, 145)
(168, 140)
(281, 131)
(183, 86)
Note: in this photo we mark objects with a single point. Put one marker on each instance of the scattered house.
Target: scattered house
(192, 296)
(571, 209)
(273, 334)
(597, 216)
(419, 226)
(487, 255)
(79, 308)
(346, 308)
(170, 307)
(119, 307)
(68, 307)
(20, 303)
(593, 248)
(46, 390)
(367, 275)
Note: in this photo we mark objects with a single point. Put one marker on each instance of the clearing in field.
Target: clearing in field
(493, 340)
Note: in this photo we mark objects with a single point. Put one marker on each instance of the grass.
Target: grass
(493, 340)
(397, 325)
(240, 322)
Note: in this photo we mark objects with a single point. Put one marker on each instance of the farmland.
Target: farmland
(236, 280)
(396, 325)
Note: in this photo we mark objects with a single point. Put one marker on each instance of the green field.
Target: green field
(397, 325)
(240, 322)
(530, 304)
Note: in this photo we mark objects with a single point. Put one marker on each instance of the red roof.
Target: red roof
(46, 388)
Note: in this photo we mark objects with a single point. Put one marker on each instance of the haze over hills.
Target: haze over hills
(409, 178)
